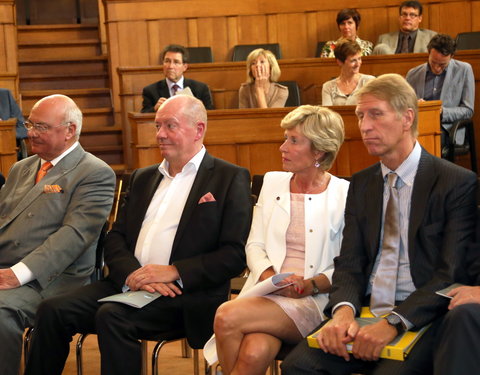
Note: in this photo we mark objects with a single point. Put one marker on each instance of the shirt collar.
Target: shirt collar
(62, 155)
(193, 164)
(179, 83)
(408, 169)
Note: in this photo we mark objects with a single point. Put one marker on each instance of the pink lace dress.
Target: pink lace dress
(303, 311)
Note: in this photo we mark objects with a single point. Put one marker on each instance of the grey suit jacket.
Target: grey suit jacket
(391, 40)
(458, 93)
(55, 234)
(442, 223)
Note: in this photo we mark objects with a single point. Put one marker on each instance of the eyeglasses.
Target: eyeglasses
(411, 15)
(41, 127)
(173, 62)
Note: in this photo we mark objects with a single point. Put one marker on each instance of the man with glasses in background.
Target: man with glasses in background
(175, 62)
(409, 39)
(52, 209)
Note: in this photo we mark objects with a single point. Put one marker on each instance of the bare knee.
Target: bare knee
(225, 318)
(255, 355)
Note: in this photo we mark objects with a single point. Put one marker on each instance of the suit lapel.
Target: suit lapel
(424, 180)
(163, 91)
(63, 167)
(203, 177)
(374, 208)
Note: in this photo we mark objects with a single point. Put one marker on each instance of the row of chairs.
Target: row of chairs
(465, 41)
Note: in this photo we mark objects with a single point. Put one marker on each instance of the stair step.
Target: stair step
(72, 65)
(64, 81)
(71, 48)
(85, 98)
(33, 33)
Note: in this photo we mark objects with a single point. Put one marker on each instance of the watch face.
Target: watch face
(393, 319)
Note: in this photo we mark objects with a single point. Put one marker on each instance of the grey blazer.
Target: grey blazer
(458, 93)
(391, 40)
(55, 234)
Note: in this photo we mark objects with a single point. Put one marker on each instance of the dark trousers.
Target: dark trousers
(305, 360)
(118, 327)
(457, 350)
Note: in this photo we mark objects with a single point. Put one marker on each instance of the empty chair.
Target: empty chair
(470, 40)
(453, 149)
(200, 55)
(293, 99)
(241, 51)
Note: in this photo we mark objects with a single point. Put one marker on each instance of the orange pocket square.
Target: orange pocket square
(207, 198)
(52, 189)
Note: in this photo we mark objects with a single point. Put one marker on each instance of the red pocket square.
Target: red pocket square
(207, 198)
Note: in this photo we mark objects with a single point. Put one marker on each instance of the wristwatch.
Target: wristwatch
(315, 289)
(395, 321)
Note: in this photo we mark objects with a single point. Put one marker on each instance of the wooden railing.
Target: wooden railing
(8, 147)
(251, 138)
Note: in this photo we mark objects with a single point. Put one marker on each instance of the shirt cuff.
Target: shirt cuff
(340, 304)
(23, 273)
(406, 324)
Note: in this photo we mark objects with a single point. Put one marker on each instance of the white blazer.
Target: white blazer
(324, 221)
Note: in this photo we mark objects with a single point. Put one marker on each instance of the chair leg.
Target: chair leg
(186, 350)
(26, 344)
(144, 344)
(156, 352)
(78, 352)
(196, 363)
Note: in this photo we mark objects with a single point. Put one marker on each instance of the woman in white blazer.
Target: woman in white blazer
(297, 227)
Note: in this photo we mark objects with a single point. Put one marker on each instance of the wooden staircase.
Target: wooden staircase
(67, 59)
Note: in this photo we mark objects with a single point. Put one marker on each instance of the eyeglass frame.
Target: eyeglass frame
(37, 126)
(409, 15)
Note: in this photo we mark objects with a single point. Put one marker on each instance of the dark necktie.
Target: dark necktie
(175, 88)
(382, 299)
(43, 171)
(405, 47)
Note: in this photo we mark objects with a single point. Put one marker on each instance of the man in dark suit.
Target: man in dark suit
(181, 232)
(49, 225)
(434, 222)
(175, 62)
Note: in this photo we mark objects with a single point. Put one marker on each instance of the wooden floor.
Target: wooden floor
(170, 362)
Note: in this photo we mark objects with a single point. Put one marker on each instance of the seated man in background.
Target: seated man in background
(400, 245)
(409, 38)
(52, 209)
(443, 71)
(10, 109)
(181, 232)
(175, 62)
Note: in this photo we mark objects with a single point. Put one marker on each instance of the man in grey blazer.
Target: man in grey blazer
(434, 223)
(175, 62)
(49, 228)
(409, 38)
(442, 70)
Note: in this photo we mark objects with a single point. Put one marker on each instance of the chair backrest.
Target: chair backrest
(293, 99)
(99, 262)
(241, 51)
(200, 55)
(319, 48)
(470, 40)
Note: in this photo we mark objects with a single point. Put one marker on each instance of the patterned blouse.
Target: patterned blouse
(365, 45)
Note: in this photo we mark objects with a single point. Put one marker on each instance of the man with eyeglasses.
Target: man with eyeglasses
(175, 62)
(52, 209)
(410, 38)
(443, 71)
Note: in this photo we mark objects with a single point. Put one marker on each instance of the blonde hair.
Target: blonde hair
(322, 126)
(396, 91)
(274, 68)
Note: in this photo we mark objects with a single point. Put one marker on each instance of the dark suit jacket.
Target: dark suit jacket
(442, 220)
(157, 90)
(208, 249)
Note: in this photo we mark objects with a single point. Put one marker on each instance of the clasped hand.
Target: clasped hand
(464, 294)
(155, 278)
(368, 341)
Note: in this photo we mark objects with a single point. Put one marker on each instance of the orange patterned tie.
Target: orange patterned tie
(43, 171)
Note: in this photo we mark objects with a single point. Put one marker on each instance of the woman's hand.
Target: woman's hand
(262, 77)
(295, 290)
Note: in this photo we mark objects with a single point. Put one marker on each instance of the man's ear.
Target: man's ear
(72, 128)
(408, 118)
(200, 127)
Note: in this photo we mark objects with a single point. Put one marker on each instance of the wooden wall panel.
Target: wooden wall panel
(8, 47)
(292, 35)
(213, 32)
(475, 14)
(457, 14)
